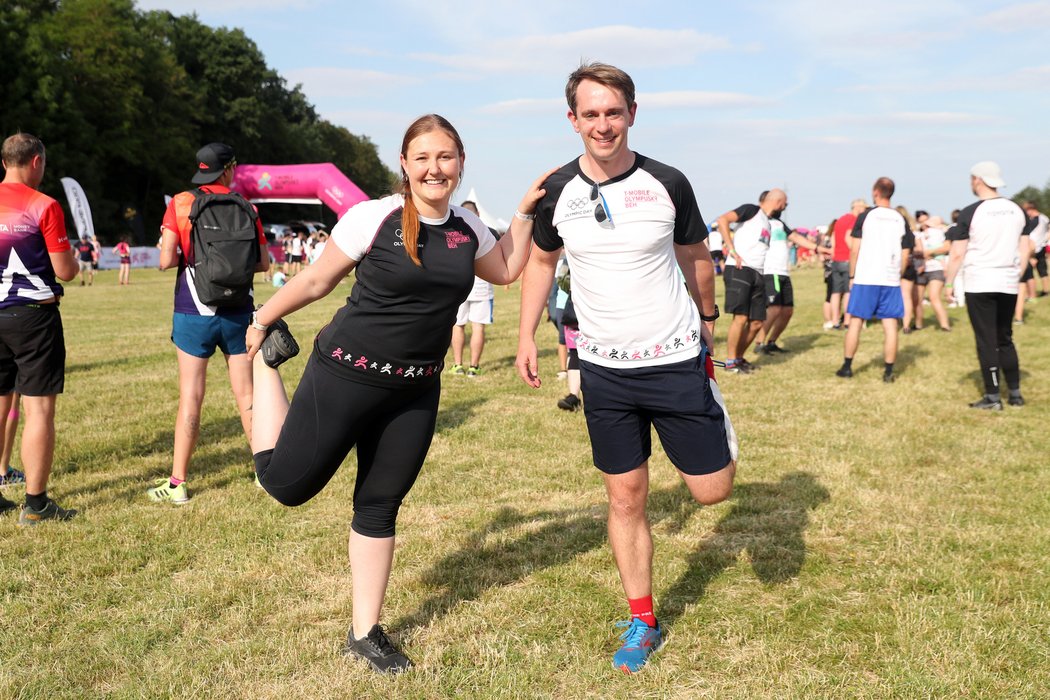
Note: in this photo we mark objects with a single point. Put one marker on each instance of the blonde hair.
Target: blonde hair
(409, 213)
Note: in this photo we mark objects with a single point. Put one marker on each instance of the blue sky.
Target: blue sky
(817, 97)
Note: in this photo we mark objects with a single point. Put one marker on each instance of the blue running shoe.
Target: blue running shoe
(639, 642)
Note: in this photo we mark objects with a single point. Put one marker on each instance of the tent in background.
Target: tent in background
(488, 219)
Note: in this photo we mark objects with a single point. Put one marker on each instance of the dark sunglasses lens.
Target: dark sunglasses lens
(594, 191)
(599, 214)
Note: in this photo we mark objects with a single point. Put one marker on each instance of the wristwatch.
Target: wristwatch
(256, 325)
(712, 317)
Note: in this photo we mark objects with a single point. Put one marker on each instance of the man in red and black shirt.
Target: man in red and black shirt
(34, 251)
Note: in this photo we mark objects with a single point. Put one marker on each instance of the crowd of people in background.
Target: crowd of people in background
(635, 322)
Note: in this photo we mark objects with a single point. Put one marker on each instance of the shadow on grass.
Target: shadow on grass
(795, 345)
(766, 521)
(160, 446)
(453, 414)
(907, 355)
(478, 565)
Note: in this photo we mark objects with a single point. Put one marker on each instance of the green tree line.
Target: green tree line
(1041, 197)
(123, 99)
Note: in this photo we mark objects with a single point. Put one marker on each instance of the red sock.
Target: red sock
(642, 608)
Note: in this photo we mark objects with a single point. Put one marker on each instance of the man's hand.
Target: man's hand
(527, 364)
(707, 334)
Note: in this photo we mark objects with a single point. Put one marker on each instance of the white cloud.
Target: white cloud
(680, 99)
(613, 44)
(1020, 17)
(346, 82)
(526, 105)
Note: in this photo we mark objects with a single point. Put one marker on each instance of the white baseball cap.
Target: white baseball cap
(990, 172)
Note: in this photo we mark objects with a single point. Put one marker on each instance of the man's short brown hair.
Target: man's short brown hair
(603, 74)
(885, 187)
(19, 149)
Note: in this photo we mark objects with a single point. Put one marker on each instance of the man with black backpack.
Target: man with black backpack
(216, 240)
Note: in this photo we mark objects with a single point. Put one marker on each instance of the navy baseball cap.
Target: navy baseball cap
(212, 160)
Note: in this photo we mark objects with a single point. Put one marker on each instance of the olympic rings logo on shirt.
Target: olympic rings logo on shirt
(578, 203)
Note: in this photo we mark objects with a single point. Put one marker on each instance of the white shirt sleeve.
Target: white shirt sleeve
(355, 232)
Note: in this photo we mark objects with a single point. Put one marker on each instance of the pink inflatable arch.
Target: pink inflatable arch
(309, 183)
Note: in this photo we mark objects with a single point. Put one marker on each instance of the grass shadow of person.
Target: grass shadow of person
(488, 559)
(453, 414)
(479, 564)
(794, 345)
(767, 522)
(205, 462)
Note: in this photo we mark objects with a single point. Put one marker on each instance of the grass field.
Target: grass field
(883, 541)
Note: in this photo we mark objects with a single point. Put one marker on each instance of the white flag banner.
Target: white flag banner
(78, 204)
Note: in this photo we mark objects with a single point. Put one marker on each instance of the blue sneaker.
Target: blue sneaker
(12, 477)
(639, 642)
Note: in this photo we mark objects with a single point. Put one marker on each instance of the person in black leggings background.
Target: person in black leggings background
(990, 243)
(373, 378)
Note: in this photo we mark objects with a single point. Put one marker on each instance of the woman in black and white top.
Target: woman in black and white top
(373, 378)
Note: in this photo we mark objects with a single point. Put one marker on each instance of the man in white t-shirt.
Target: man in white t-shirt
(478, 311)
(990, 242)
(628, 224)
(882, 244)
(745, 251)
(780, 294)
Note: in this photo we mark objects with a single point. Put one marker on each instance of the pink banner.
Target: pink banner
(321, 181)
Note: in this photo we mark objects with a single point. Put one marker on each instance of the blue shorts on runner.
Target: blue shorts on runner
(201, 335)
(870, 301)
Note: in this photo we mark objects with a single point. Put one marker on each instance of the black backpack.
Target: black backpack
(225, 248)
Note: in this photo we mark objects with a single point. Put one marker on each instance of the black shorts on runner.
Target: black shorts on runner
(623, 405)
(1027, 274)
(745, 292)
(1040, 262)
(32, 350)
(909, 274)
(779, 291)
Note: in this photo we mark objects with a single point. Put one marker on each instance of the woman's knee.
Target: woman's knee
(291, 495)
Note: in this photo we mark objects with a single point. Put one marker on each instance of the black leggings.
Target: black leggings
(329, 414)
(992, 315)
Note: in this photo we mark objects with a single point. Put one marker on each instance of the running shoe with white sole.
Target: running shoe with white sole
(640, 641)
(163, 491)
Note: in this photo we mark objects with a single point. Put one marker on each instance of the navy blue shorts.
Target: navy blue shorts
(869, 301)
(200, 335)
(679, 400)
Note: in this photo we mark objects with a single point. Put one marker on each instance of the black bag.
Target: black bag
(225, 248)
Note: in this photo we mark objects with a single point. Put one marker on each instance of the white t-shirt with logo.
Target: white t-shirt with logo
(751, 238)
(884, 234)
(633, 309)
(993, 229)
